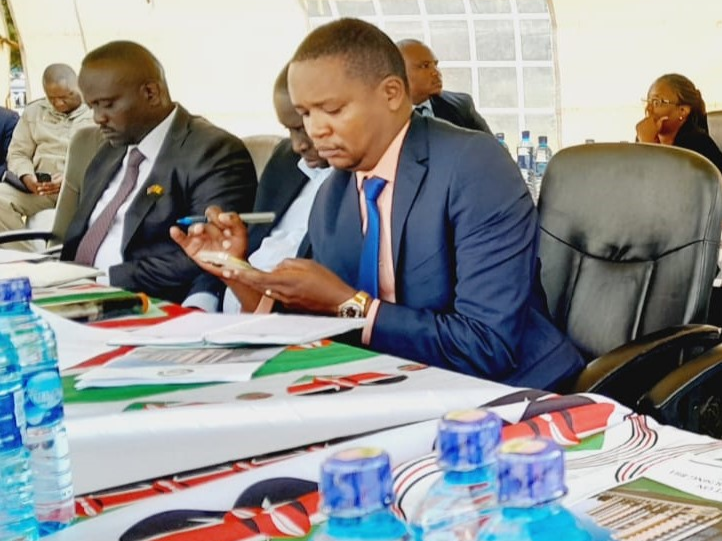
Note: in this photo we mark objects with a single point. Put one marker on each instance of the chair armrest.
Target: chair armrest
(627, 372)
(25, 234)
(689, 397)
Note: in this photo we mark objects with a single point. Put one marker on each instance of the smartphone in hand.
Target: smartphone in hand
(43, 177)
(223, 260)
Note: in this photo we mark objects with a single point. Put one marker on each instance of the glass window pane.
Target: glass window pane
(494, 40)
(355, 8)
(318, 8)
(532, 6)
(445, 7)
(497, 88)
(536, 40)
(490, 6)
(399, 7)
(543, 125)
(404, 30)
(457, 79)
(506, 124)
(538, 87)
(450, 40)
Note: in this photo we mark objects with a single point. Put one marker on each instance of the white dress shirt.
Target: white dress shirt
(109, 252)
(286, 237)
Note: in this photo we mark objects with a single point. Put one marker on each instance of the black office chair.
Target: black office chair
(629, 242)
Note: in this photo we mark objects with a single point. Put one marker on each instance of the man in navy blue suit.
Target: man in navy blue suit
(8, 120)
(427, 93)
(454, 232)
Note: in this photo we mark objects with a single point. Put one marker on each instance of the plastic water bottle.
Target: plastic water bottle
(500, 137)
(524, 159)
(541, 158)
(356, 494)
(46, 439)
(17, 517)
(458, 505)
(531, 483)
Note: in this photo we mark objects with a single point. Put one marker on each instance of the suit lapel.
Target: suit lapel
(160, 176)
(98, 179)
(410, 175)
(345, 226)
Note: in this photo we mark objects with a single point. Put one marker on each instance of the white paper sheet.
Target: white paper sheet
(164, 366)
(47, 273)
(13, 256)
(691, 474)
(226, 329)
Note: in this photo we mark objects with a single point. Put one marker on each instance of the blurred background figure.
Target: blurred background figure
(427, 93)
(38, 148)
(675, 114)
(8, 120)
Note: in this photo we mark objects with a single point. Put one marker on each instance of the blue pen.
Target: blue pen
(249, 218)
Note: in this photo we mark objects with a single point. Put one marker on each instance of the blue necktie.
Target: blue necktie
(368, 272)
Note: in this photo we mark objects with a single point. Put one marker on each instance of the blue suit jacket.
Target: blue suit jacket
(464, 239)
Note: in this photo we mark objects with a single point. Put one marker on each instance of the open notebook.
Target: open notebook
(225, 329)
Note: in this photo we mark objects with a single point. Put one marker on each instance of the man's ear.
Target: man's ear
(394, 91)
(151, 92)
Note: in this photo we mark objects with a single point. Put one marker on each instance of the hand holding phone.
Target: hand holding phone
(223, 260)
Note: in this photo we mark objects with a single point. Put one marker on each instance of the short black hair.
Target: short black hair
(369, 54)
(131, 55)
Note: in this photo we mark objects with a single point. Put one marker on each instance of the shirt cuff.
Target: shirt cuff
(370, 320)
(265, 306)
(205, 301)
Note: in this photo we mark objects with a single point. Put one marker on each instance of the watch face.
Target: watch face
(350, 310)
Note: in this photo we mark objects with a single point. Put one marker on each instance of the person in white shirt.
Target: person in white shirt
(287, 187)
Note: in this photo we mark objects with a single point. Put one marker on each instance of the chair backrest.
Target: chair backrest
(714, 122)
(629, 240)
(82, 148)
(261, 147)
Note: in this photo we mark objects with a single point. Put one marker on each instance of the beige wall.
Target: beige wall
(221, 56)
(610, 51)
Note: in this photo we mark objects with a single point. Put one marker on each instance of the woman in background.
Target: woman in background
(676, 115)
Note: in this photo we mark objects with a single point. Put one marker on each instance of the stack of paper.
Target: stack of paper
(165, 366)
(199, 329)
(47, 273)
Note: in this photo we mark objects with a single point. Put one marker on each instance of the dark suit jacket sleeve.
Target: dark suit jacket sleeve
(494, 232)
(476, 121)
(223, 175)
(8, 119)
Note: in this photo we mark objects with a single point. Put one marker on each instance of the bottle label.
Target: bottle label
(11, 420)
(43, 397)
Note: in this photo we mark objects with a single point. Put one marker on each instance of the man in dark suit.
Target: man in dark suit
(426, 88)
(159, 163)
(8, 120)
(426, 230)
(287, 187)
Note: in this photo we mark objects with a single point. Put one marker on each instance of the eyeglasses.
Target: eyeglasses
(658, 102)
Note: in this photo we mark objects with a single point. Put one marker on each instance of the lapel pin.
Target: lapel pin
(156, 189)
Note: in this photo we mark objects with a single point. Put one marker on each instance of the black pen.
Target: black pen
(102, 309)
(248, 217)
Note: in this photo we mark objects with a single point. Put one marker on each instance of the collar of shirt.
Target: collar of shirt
(72, 115)
(425, 105)
(153, 140)
(389, 162)
(314, 174)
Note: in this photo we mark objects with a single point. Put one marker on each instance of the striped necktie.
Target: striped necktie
(96, 233)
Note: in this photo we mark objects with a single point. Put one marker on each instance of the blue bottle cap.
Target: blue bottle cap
(468, 439)
(356, 482)
(531, 472)
(15, 290)
(543, 139)
(525, 134)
